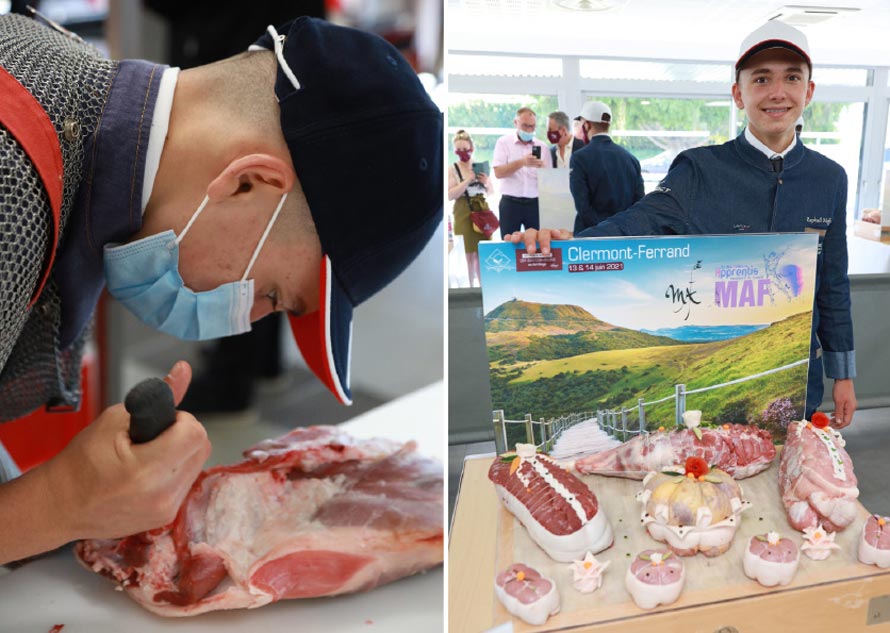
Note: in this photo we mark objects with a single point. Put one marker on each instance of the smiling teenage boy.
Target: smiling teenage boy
(763, 181)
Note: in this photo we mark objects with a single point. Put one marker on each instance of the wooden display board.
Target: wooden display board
(839, 594)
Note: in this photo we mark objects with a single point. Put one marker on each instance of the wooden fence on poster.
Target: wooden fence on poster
(614, 422)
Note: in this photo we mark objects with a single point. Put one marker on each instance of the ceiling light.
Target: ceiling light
(804, 15)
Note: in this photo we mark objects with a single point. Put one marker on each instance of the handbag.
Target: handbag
(482, 218)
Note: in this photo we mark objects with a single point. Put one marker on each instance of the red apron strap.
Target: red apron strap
(27, 121)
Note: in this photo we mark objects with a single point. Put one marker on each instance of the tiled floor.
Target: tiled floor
(868, 443)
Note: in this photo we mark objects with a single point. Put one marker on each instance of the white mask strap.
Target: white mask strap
(259, 246)
(278, 43)
(193, 218)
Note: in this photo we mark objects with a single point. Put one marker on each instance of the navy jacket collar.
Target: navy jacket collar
(108, 206)
(758, 159)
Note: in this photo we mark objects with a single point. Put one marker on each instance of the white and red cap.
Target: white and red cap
(595, 112)
(774, 34)
(325, 335)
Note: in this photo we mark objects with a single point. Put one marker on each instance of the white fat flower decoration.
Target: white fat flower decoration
(655, 558)
(818, 543)
(588, 573)
(526, 451)
(773, 538)
(692, 420)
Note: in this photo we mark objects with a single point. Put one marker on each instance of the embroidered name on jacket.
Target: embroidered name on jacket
(822, 221)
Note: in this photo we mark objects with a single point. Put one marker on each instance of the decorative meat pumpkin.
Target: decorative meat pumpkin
(692, 508)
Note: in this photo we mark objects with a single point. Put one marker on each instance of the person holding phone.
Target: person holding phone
(465, 183)
(517, 158)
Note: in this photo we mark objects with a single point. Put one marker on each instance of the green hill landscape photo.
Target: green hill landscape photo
(549, 360)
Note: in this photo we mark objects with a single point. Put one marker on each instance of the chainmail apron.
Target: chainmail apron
(71, 80)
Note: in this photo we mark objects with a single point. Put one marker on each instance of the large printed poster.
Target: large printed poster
(721, 323)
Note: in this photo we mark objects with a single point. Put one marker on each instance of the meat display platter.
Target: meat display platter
(55, 589)
(485, 538)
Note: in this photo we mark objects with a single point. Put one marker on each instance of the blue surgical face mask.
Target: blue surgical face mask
(144, 276)
(525, 137)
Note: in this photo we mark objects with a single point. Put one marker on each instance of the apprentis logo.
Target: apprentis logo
(498, 261)
(746, 286)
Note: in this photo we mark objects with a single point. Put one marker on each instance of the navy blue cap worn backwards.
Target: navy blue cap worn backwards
(366, 144)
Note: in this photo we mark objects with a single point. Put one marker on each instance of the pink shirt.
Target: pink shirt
(523, 183)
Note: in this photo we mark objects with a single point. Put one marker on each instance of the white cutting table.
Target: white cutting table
(57, 590)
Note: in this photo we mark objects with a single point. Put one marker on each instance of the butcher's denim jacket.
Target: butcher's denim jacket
(732, 189)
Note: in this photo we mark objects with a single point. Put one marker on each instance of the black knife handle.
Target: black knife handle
(151, 409)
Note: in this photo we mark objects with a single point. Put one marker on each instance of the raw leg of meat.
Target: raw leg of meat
(816, 479)
(312, 513)
(738, 449)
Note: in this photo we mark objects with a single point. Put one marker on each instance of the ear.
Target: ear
(810, 89)
(246, 173)
(737, 96)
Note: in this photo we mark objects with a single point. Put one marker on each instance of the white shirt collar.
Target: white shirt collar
(567, 151)
(160, 122)
(758, 144)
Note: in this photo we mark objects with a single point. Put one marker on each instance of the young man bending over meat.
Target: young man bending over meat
(203, 201)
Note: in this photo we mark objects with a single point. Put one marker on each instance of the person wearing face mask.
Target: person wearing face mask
(763, 181)
(202, 200)
(562, 143)
(605, 178)
(516, 168)
(230, 369)
(578, 130)
(463, 185)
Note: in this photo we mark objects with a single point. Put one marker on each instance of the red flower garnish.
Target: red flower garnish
(696, 466)
(820, 420)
